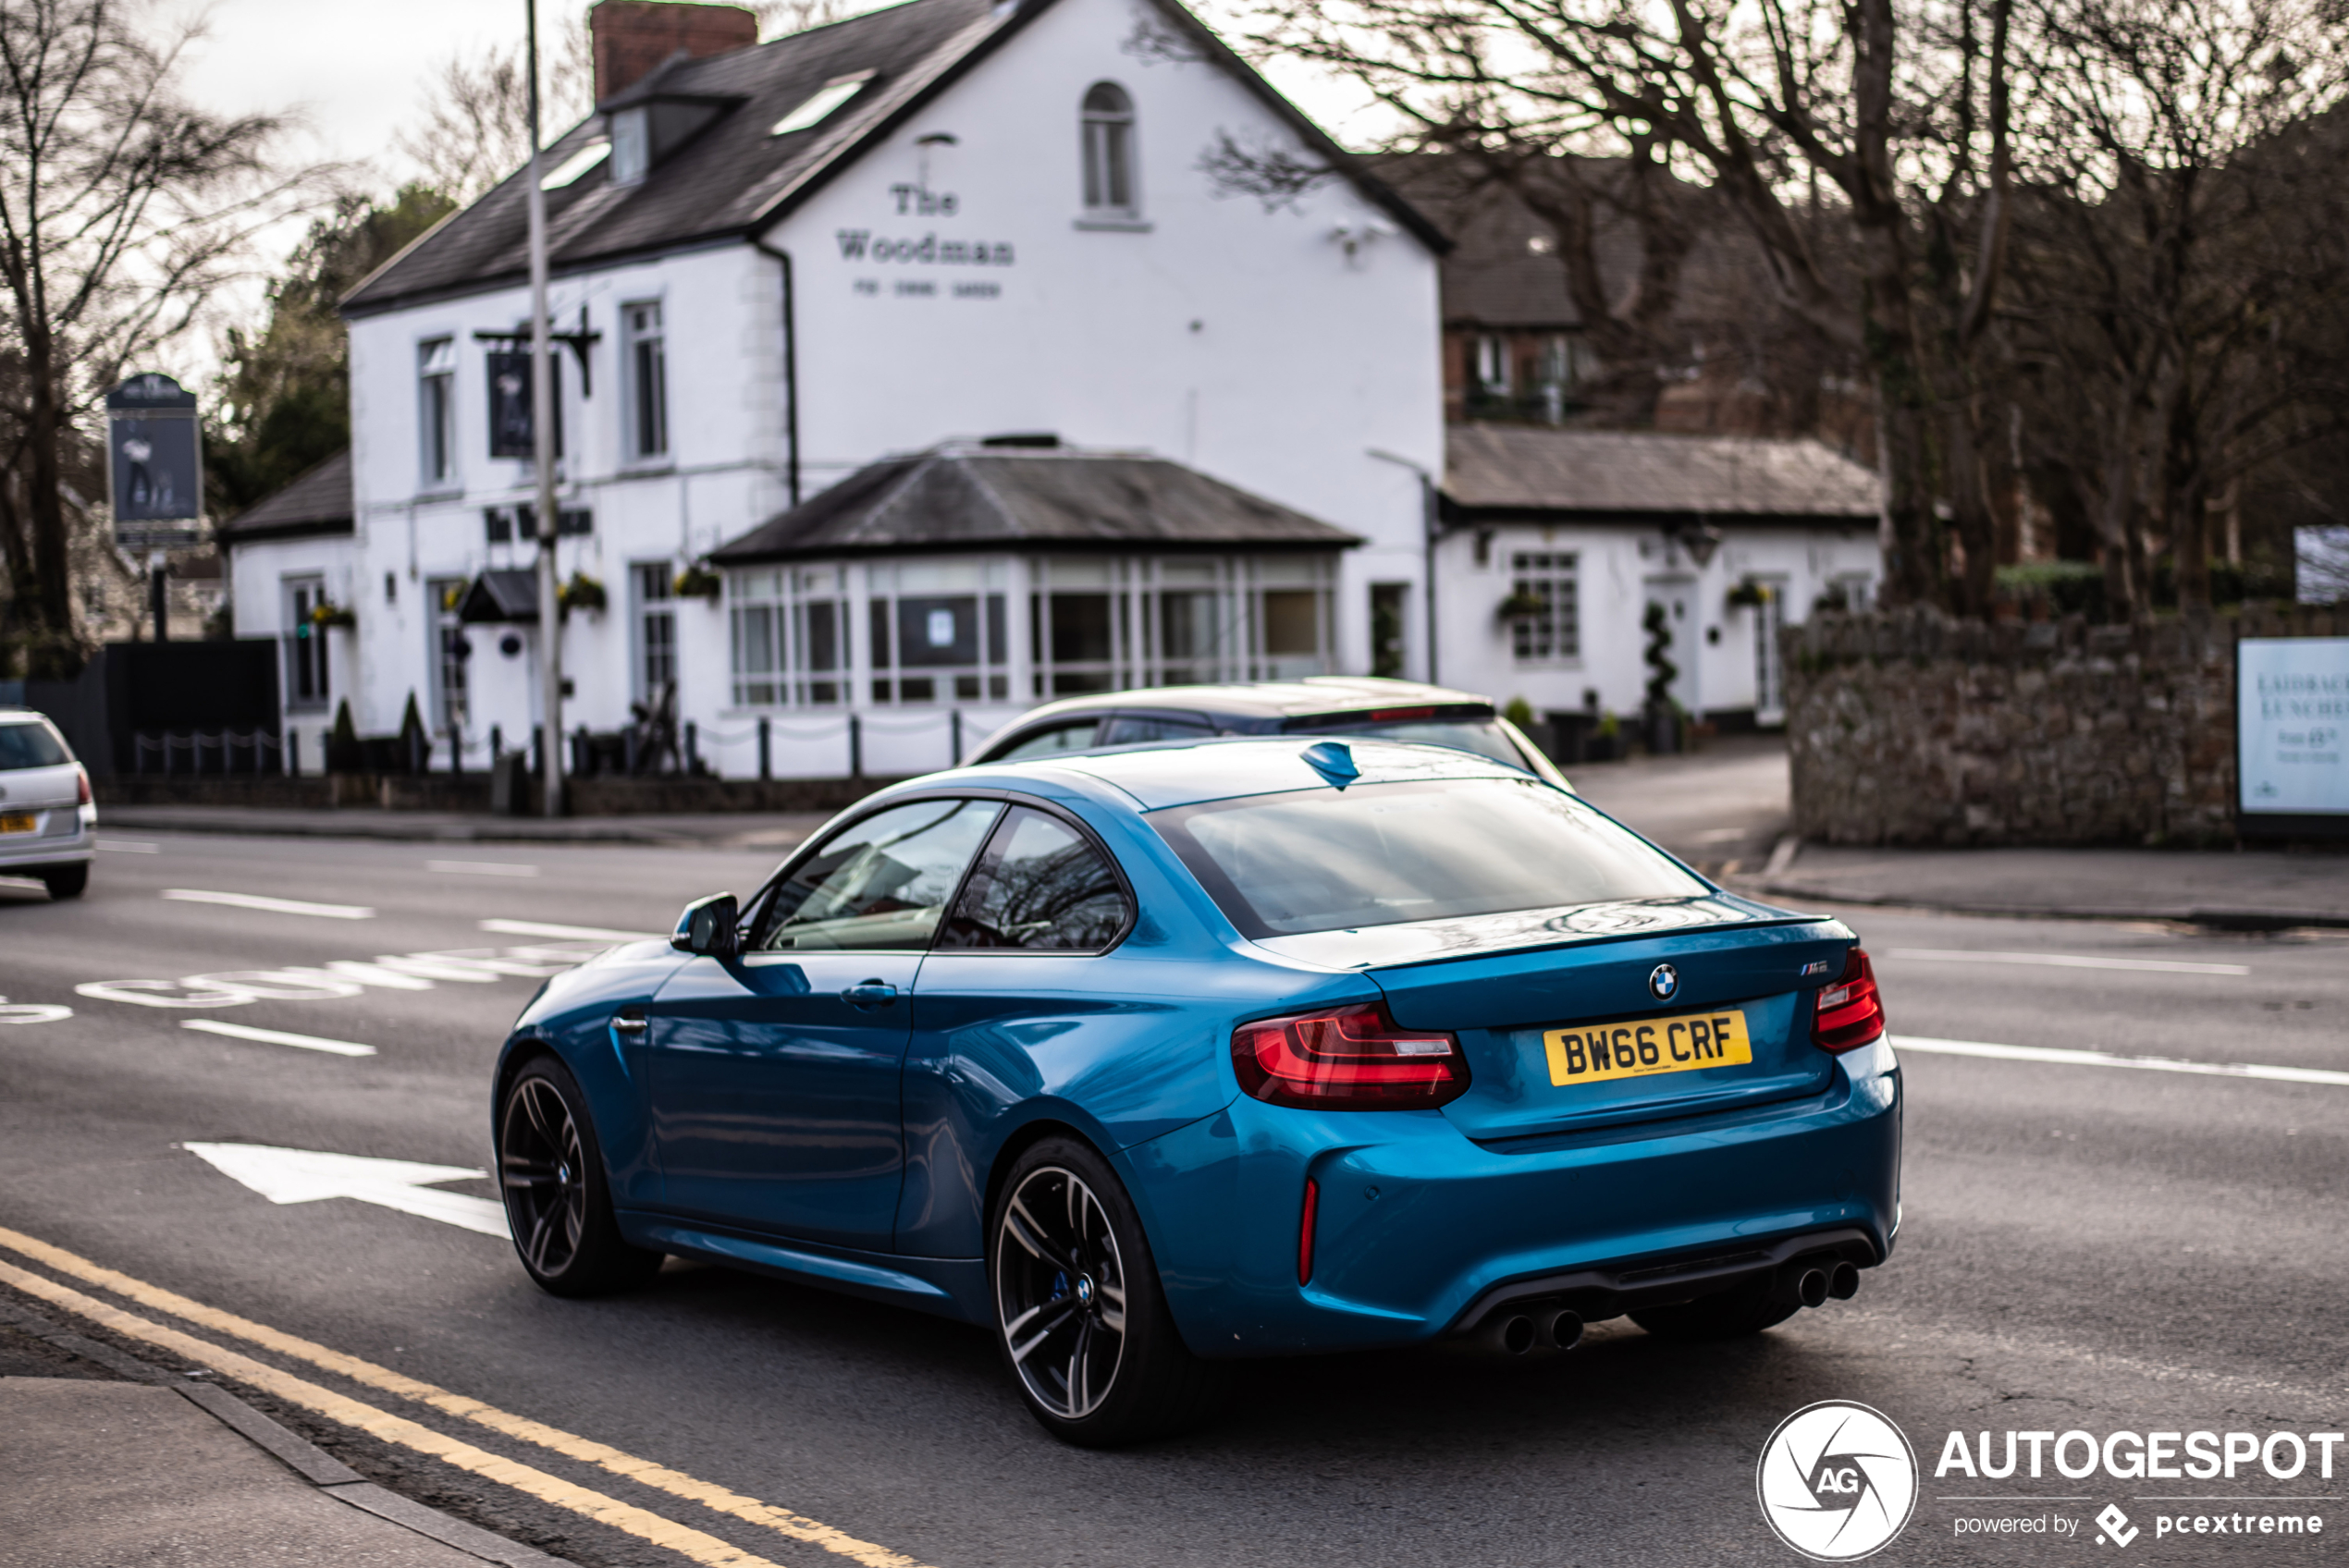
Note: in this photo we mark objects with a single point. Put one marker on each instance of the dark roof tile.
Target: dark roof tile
(316, 502)
(1592, 473)
(963, 498)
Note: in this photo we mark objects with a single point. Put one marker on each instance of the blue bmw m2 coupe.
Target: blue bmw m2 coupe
(1147, 1060)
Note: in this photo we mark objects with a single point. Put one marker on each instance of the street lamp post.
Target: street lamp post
(542, 437)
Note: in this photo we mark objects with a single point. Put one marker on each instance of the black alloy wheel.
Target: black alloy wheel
(558, 1204)
(1079, 1314)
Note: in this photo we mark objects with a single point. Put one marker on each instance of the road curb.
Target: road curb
(298, 1454)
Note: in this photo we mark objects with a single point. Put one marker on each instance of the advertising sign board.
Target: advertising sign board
(155, 463)
(2291, 735)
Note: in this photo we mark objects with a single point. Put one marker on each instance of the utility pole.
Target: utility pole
(542, 435)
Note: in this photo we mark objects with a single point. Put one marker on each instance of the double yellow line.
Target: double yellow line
(642, 1523)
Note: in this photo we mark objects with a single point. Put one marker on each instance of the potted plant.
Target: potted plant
(1748, 594)
(1523, 605)
(1663, 714)
(323, 614)
(697, 582)
(582, 592)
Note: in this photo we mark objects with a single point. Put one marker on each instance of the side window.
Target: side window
(1133, 729)
(1042, 887)
(1049, 742)
(880, 884)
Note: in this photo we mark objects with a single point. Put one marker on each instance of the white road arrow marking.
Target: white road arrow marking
(308, 1175)
(32, 1012)
(274, 906)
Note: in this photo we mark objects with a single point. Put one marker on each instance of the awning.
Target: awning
(504, 595)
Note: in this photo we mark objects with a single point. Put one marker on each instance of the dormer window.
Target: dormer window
(630, 145)
(1109, 152)
(814, 108)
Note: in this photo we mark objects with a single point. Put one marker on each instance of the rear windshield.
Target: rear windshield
(1482, 736)
(31, 745)
(1383, 854)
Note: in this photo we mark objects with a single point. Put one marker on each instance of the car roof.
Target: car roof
(1266, 699)
(1185, 773)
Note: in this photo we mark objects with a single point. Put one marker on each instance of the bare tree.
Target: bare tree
(2183, 259)
(123, 210)
(1891, 125)
(475, 127)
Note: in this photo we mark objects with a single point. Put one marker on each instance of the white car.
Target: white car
(47, 822)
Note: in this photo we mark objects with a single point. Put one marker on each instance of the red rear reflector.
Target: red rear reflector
(1305, 1231)
(1384, 715)
(82, 786)
(1851, 1012)
(1353, 1059)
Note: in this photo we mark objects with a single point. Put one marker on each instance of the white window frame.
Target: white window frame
(436, 412)
(299, 592)
(1107, 140)
(780, 612)
(450, 697)
(653, 603)
(1552, 639)
(643, 390)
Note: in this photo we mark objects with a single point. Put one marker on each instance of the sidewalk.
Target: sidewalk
(113, 1462)
(2246, 889)
(700, 830)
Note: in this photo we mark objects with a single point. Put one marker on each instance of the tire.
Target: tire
(67, 881)
(1079, 1316)
(1733, 1313)
(558, 1198)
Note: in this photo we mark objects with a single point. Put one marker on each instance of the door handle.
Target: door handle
(628, 1023)
(869, 994)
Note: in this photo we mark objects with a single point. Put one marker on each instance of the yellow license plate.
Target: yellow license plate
(1679, 1044)
(18, 822)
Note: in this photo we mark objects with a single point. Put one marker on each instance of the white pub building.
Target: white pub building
(918, 368)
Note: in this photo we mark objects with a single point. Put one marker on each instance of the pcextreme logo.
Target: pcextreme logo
(1837, 1481)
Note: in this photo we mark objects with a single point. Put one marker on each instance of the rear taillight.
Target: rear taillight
(1354, 1058)
(82, 786)
(1851, 1012)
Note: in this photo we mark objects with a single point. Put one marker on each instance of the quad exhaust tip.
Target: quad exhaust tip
(1816, 1282)
(1843, 1283)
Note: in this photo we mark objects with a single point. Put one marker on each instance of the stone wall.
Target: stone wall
(1910, 727)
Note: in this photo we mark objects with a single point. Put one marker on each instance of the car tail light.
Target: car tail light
(1352, 1058)
(82, 786)
(1851, 1012)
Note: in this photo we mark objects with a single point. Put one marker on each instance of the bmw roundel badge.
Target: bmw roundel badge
(1663, 982)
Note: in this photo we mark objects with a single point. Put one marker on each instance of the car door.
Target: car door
(773, 1074)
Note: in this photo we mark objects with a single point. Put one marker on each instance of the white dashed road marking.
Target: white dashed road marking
(274, 906)
(480, 868)
(276, 1036)
(573, 933)
(2107, 1059)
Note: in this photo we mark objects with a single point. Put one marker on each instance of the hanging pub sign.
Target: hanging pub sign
(2292, 736)
(155, 463)
(509, 405)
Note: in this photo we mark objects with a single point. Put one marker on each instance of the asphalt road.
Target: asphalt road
(2090, 1247)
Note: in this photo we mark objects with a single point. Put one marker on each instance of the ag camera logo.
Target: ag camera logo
(1837, 1481)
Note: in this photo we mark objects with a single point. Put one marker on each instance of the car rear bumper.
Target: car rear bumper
(1421, 1232)
(65, 837)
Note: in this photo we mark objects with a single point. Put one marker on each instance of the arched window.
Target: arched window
(1109, 149)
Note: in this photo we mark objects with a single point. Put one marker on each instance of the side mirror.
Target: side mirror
(709, 927)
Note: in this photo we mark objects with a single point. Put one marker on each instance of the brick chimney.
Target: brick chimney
(632, 38)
